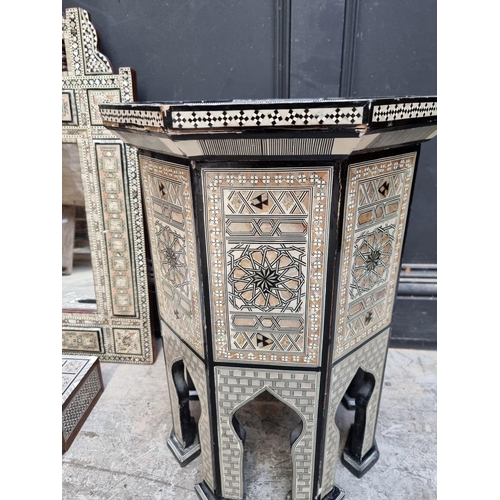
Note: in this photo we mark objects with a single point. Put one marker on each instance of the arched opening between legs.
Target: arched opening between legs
(359, 393)
(268, 429)
(186, 447)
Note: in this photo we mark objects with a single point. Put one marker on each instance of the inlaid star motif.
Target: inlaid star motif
(266, 277)
(371, 259)
(172, 250)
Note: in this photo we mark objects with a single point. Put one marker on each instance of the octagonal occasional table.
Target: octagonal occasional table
(277, 230)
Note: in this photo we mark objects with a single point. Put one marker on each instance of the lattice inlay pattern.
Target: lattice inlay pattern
(376, 212)
(236, 118)
(267, 147)
(267, 233)
(73, 413)
(175, 350)
(102, 82)
(113, 206)
(169, 205)
(404, 111)
(371, 358)
(299, 390)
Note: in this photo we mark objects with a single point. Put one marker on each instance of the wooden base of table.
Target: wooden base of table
(183, 455)
(360, 468)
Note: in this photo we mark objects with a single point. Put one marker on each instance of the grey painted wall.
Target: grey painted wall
(395, 54)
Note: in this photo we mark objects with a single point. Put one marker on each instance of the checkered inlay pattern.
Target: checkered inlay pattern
(371, 358)
(137, 117)
(299, 390)
(404, 111)
(73, 413)
(174, 351)
(234, 118)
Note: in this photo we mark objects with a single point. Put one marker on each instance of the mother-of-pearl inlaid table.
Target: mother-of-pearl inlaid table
(276, 230)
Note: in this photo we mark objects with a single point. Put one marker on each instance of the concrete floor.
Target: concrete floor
(121, 451)
(79, 285)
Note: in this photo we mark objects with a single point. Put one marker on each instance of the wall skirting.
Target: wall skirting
(415, 310)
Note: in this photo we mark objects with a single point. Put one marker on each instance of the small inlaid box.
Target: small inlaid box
(82, 386)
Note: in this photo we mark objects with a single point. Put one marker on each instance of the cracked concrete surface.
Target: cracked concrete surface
(121, 451)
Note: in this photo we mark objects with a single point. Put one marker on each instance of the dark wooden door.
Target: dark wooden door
(236, 49)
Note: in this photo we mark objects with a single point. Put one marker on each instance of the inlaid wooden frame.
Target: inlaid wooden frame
(120, 329)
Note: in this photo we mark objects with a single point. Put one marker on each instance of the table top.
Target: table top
(74, 369)
(181, 117)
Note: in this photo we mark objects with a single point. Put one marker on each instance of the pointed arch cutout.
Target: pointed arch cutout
(295, 436)
(360, 389)
(180, 376)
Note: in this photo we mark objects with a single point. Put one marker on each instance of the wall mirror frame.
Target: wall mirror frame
(119, 327)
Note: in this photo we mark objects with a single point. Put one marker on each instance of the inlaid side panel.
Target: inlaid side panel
(127, 341)
(169, 206)
(267, 236)
(74, 369)
(374, 224)
(73, 413)
(110, 168)
(299, 390)
(82, 340)
(371, 358)
(175, 350)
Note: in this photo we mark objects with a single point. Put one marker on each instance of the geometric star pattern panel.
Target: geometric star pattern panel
(376, 212)
(169, 206)
(267, 234)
